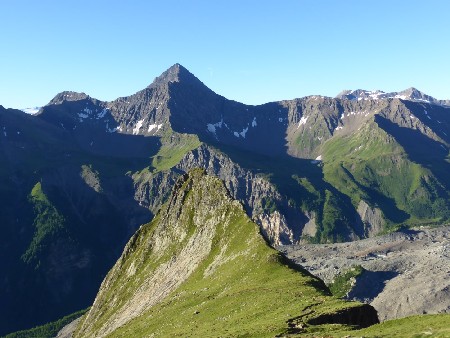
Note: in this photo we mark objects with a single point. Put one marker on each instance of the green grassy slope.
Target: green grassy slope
(372, 166)
(174, 147)
(47, 223)
(409, 327)
(241, 287)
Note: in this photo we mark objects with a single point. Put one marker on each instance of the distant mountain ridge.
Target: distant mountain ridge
(410, 94)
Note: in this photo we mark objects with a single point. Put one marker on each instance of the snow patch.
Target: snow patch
(243, 132)
(317, 160)
(138, 127)
(154, 126)
(82, 116)
(102, 113)
(303, 120)
(31, 111)
(211, 127)
(254, 124)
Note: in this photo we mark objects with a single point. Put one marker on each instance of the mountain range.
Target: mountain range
(410, 94)
(80, 176)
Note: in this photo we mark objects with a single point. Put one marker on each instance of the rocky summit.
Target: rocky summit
(82, 175)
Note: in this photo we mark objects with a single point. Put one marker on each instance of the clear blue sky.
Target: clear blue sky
(249, 51)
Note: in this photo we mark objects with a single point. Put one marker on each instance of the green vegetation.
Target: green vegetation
(48, 330)
(342, 283)
(409, 327)
(47, 223)
(241, 287)
(372, 166)
(174, 147)
(268, 205)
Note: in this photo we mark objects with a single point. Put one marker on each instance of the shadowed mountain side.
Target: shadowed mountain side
(98, 134)
(370, 284)
(64, 257)
(421, 149)
(196, 109)
(386, 204)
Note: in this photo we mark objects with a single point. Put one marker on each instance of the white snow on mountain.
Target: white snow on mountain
(303, 120)
(154, 126)
(31, 111)
(138, 127)
(410, 94)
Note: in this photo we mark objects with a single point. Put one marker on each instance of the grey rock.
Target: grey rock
(407, 272)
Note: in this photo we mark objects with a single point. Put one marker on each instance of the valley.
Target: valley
(404, 273)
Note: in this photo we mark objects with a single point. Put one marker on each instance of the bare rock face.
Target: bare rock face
(68, 330)
(244, 185)
(372, 219)
(310, 228)
(274, 228)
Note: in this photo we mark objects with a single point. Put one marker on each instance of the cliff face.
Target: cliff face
(202, 268)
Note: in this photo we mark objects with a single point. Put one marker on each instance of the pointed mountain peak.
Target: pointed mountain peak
(415, 94)
(176, 73)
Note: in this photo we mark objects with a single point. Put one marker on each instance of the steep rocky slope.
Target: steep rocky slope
(201, 268)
